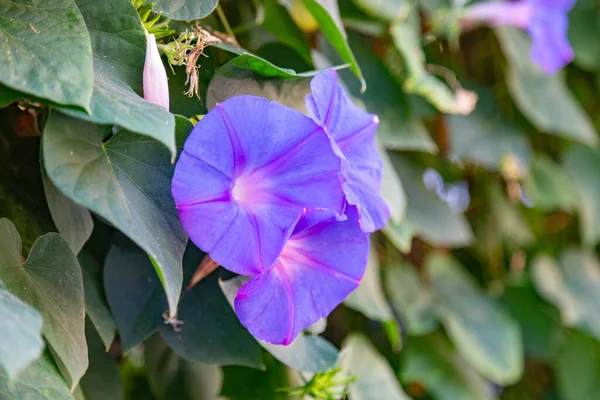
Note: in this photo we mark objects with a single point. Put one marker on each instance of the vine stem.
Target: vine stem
(224, 21)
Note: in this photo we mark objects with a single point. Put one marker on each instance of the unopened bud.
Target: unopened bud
(465, 101)
(156, 85)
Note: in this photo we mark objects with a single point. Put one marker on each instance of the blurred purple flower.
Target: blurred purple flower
(321, 264)
(353, 130)
(545, 21)
(156, 84)
(248, 170)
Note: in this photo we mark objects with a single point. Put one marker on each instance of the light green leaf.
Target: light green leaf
(40, 381)
(577, 366)
(306, 353)
(433, 362)
(102, 380)
(369, 298)
(73, 221)
(390, 10)
(573, 286)
(50, 281)
(375, 377)
(487, 141)
(546, 101)
(391, 189)
(326, 13)
(172, 377)
(509, 221)
(582, 163)
(21, 333)
(549, 186)
(45, 51)
(410, 299)
(184, 10)
(430, 217)
(401, 235)
(119, 47)
(126, 180)
(95, 303)
(483, 333)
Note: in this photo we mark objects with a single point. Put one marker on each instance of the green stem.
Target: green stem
(224, 21)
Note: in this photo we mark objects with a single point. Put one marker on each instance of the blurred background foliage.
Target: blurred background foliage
(486, 282)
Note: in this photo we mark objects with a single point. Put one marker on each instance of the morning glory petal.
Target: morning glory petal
(248, 170)
(353, 131)
(318, 268)
(550, 48)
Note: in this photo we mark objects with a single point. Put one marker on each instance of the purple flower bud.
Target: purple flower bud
(156, 85)
(545, 21)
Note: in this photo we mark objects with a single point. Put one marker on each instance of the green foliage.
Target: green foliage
(495, 298)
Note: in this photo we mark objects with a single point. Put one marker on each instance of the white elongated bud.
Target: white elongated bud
(156, 85)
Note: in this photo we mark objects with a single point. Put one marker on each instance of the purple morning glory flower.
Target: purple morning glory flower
(248, 170)
(321, 264)
(353, 130)
(545, 21)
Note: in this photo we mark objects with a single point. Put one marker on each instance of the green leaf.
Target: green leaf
(8, 96)
(102, 380)
(247, 65)
(573, 286)
(375, 377)
(21, 333)
(391, 189)
(241, 383)
(400, 234)
(576, 366)
(430, 217)
(134, 294)
(508, 219)
(433, 362)
(390, 10)
(369, 298)
(184, 10)
(278, 21)
(483, 333)
(410, 299)
(326, 13)
(45, 51)
(127, 181)
(306, 353)
(549, 186)
(581, 163)
(172, 377)
(546, 101)
(583, 25)
(73, 221)
(40, 381)
(211, 332)
(487, 141)
(95, 303)
(50, 281)
(119, 51)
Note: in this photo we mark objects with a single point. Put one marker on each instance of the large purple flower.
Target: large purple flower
(321, 264)
(354, 133)
(248, 170)
(546, 22)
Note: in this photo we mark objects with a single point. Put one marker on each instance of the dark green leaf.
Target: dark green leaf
(45, 51)
(119, 51)
(102, 380)
(369, 298)
(21, 333)
(549, 186)
(172, 377)
(95, 303)
(573, 286)
(479, 328)
(410, 298)
(50, 281)
(126, 180)
(8, 96)
(375, 377)
(326, 14)
(433, 362)
(546, 101)
(241, 383)
(40, 381)
(73, 221)
(306, 353)
(185, 9)
(430, 217)
(584, 24)
(581, 163)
